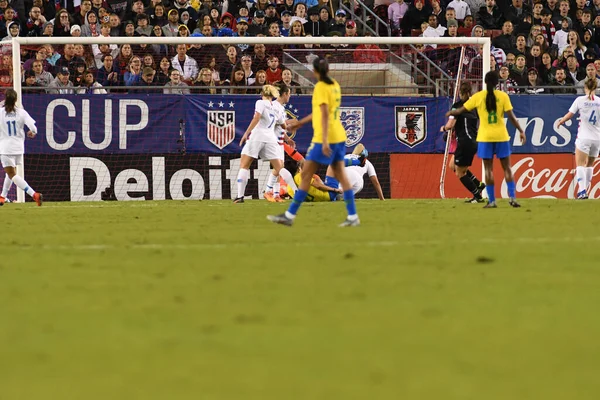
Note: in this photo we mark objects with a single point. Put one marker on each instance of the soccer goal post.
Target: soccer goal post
(137, 137)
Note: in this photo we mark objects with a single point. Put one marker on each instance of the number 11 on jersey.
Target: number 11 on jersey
(12, 128)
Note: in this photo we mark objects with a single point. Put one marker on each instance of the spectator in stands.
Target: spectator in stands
(148, 61)
(561, 80)
(534, 57)
(164, 71)
(540, 40)
(89, 84)
(108, 75)
(438, 11)
(258, 26)
(42, 77)
(227, 65)
(533, 32)
(297, 30)
(48, 29)
(185, 5)
(14, 28)
(286, 23)
(260, 61)
(115, 24)
(561, 37)
(134, 72)
(590, 73)
(35, 22)
(62, 23)
(271, 14)
(434, 29)
(90, 26)
(211, 64)
(6, 19)
(237, 79)
(536, 11)
(186, 65)
(274, 70)
(575, 44)
(288, 5)
(30, 82)
(519, 72)
(205, 83)
(67, 57)
(246, 64)
(286, 79)
(143, 25)
(585, 23)
(339, 23)
(175, 85)
(369, 53)
(351, 29)
(461, 8)
(396, 12)
(149, 81)
(516, 11)
(40, 55)
(75, 31)
(474, 6)
(533, 82)
(588, 42)
(324, 15)
(564, 9)
(510, 60)
(548, 28)
(171, 29)
(521, 44)
(452, 30)
(85, 7)
(574, 74)
(449, 14)
(183, 31)
(261, 80)
(314, 26)
(300, 13)
(552, 5)
(124, 58)
(546, 70)
(61, 84)
(157, 16)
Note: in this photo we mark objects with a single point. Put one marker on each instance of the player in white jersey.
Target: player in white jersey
(272, 188)
(259, 140)
(587, 145)
(357, 165)
(12, 141)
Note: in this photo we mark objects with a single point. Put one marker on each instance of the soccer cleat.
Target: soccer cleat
(278, 199)
(38, 198)
(3, 200)
(269, 197)
(582, 195)
(350, 222)
(491, 205)
(475, 200)
(280, 219)
(238, 200)
(513, 203)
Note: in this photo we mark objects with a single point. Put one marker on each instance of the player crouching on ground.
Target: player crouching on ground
(318, 191)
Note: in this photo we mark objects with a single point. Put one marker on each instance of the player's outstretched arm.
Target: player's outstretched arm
(456, 112)
(377, 186)
(515, 122)
(565, 118)
(317, 183)
(295, 124)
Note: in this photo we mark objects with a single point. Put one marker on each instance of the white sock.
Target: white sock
(580, 176)
(589, 174)
(276, 188)
(288, 178)
(22, 184)
(242, 181)
(270, 181)
(6, 185)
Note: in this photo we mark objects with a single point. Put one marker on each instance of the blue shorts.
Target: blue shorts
(332, 182)
(486, 150)
(315, 153)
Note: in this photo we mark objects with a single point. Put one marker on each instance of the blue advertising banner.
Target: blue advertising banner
(214, 124)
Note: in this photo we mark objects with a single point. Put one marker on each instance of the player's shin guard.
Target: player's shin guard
(350, 204)
(512, 191)
(6, 185)
(473, 178)
(23, 185)
(288, 178)
(589, 174)
(470, 185)
(242, 181)
(299, 197)
(580, 176)
(270, 182)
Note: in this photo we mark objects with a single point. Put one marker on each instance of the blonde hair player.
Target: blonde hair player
(260, 140)
(328, 145)
(587, 145)
(12, 142)
(272, 188)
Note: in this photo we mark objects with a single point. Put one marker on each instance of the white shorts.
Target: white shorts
(262, 150)
(281, 153)
(588, 146)
(11, 160)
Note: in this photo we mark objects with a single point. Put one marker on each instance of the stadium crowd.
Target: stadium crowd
(546, 46)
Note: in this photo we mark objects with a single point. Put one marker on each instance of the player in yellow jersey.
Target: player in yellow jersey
(318, 191)
(493, 138)
(328, 145)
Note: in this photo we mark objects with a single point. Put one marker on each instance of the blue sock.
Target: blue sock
(349, 200)
(351, 162)
(299, 197)
(491, 194)
(511, 189)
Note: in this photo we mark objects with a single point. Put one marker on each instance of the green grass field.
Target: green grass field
(207, 300)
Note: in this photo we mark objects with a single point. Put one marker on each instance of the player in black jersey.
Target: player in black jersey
(465, 129)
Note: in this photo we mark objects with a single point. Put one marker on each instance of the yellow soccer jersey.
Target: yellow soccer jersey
(314, 194)
(491, 125)
(332, 96)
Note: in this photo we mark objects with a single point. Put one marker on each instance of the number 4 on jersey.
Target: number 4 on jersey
(593, 118)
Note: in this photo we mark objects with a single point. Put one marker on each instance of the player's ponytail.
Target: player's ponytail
(491, 80)
(321, 66)
(270, 91)
(591, 85)
(10, 100)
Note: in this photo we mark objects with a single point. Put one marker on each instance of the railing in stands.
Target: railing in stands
(367, 12)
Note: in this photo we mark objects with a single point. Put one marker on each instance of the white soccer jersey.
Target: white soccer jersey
(279, 132)
(356, 173)
(12, 132)
(589, 117)
(264, 131)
